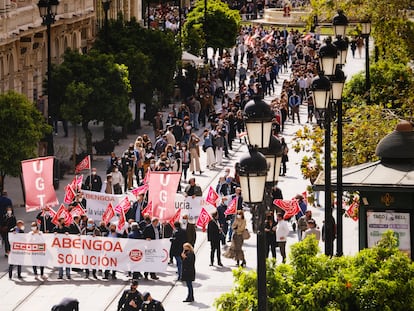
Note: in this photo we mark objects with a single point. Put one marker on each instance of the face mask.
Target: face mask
(33, 228)
(152, 165)
(90, 226)
(22, 228)
(184, 221)
(116, 170)
(9, 213)
(239, 216)
(47, 214)
(228, 180)
(93, 173)
(119, 162)
(167, 165)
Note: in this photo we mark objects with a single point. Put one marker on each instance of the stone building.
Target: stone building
(23, 38)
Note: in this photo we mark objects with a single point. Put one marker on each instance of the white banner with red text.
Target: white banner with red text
(192, 206)
(78, 251)
(97, 202)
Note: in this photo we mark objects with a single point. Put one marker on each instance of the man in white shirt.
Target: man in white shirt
(282, 232)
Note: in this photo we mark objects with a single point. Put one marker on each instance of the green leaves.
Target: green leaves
(380, 278)
(22, 127)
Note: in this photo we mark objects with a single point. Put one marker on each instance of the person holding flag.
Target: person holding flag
(44, 218)
(62, 229)
(214, 236)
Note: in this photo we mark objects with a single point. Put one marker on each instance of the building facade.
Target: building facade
(23, 38)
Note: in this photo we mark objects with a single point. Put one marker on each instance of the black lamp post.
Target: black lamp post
(106, 4)
(340, 22)
(48, 12)
(205, 31)
(321, 92)
(258, 173)
(365, 31)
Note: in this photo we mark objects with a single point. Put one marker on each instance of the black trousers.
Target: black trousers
(215, 247)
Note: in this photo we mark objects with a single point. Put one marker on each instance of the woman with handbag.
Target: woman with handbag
(188, 270)
(235, 251)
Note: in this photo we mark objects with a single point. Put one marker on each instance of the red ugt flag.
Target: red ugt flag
(140, 189)
(203, 219)
(175, 218)
(108, 214)
(148, 209)
(62, 212)
(77, 210)
(121, 221)
(162, 192)
(123, 206)
(85, 164)
(231, 208)
(212, 196)
(69, 194)
(291, 207)
(38, 183)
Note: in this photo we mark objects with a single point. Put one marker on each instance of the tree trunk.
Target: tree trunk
(88, 137)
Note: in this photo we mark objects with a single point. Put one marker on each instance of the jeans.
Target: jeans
(194, 120)
(190, 290)
(179, 265)
(67, 270)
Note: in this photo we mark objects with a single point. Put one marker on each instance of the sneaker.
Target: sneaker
(60, 277)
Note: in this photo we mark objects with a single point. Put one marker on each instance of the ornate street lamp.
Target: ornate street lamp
(365, 32)
(256, 178)
(258, 120)
(340, 22)
(48, 12)
(328, 54)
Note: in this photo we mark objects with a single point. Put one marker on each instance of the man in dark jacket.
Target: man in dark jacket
(152, 232)
(151, 304)
(178, 239)
(214, 236)
(131, 299)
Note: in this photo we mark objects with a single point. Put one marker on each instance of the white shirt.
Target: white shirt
(282, 231)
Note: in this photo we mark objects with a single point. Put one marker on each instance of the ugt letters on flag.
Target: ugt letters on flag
(162, 191)
(38, 183)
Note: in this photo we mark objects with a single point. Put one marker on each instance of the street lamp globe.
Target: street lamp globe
(338, 82)
(53, 7)
(258, 120)
(321, 89)
(273, 156)
(252, 170)
(43, 8)
(106, 5)
(342, 45)
(366, 28)
(328, 54)
(340, 22)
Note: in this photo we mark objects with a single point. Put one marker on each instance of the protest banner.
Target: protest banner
(192, 206)
(38, 183)
(87, 252)
(97, 202)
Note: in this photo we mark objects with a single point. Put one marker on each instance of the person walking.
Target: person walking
(235, 251)
(18, 229)
(177, 241)
(282, 232)
(270, 234)
(131, 299)
(188, 270)
(194, 149)
(214, 236)
(7, 223)
(150, 304)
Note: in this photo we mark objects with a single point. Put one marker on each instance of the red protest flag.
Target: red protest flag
(148, 209)
(162, 193)
(123, 206)
(212, 196)
(203, 219)
(305, 197)
(231, 208)
(175, 218)
(85, 164)
(141, 189)
(352, 211)
(69, 194)
(108, 214)
(38, 183)
(77, 210)
(62, 212)
(146, 178)
(121, 221)
(291, 207)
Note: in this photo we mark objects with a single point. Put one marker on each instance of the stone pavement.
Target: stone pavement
(36, 294)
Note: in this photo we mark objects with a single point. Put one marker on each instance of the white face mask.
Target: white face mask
(33, 228)
(239, 216)
(93, 173)
(22, 228)
(47, 214)
(116, 170)
(9, 213)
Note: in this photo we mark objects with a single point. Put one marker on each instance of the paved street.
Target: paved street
(36, 294)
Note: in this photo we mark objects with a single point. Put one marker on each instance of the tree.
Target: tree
(150, 55)
(379, 278)
(108, 101)
(22, 127)
(218, 29)
(75, 99)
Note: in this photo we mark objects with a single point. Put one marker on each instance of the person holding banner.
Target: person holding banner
(62, 229)
(188, 270)
(45, 220)
(35, 230)
(152, 232)
(112, 234)
(91, 230)
(18, 229)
